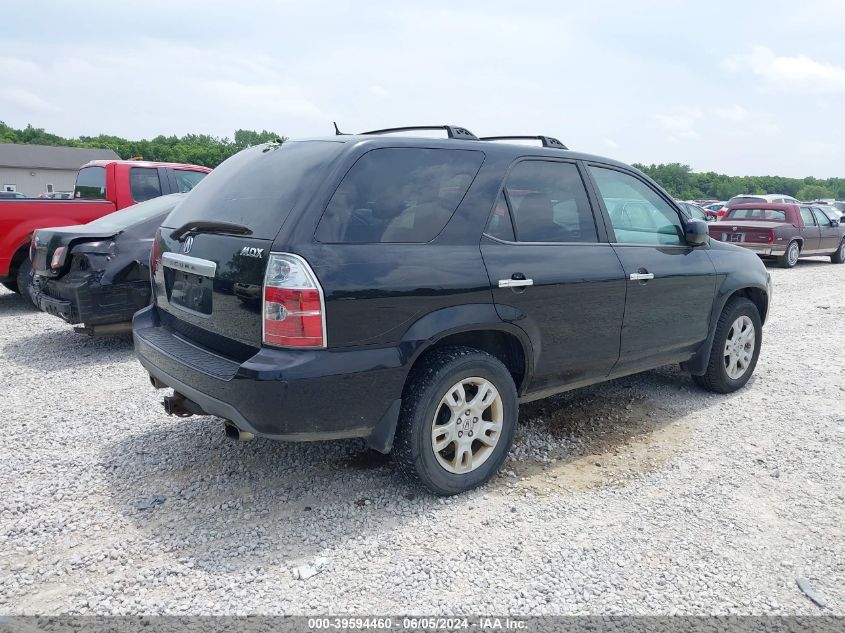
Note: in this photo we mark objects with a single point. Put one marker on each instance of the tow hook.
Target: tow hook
(180, 406)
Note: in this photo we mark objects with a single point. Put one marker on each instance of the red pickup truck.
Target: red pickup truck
(784, 231)
(102, 186)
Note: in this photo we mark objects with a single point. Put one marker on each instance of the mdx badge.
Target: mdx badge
(251, 251)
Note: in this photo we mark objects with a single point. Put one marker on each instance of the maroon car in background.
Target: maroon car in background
(784, 231)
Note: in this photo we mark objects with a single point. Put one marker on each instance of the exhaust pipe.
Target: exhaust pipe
(109, 329)
(234, 433)
(180, 406)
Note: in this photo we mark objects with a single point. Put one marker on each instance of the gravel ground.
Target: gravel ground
(640, 496)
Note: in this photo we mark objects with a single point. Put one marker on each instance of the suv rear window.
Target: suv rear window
(398, 195)
(91, 183)
(258, 187)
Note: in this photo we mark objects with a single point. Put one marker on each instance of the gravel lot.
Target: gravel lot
(644, 495)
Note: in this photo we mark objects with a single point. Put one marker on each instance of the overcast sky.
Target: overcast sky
(736, 87)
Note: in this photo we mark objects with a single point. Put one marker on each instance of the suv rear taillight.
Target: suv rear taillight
(58, 258)
(294, 311)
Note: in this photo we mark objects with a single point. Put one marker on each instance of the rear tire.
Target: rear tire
(734, 353)
(11, 285)
(24, 279)
(465, 401)
(839, 256)
(790, 256)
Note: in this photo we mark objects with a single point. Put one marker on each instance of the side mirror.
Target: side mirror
(696, 232)
(834, 223)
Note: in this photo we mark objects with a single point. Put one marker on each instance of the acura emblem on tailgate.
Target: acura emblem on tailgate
(189, 242)
(251, 251)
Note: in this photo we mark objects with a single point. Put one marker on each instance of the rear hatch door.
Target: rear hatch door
(214, 247)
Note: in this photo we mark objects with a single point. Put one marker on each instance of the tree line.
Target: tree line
(685, 184)
(203, 149)
(196, 149)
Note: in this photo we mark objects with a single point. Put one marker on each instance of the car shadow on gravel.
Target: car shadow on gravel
(232, 505)
(11, 303)
(75, 349)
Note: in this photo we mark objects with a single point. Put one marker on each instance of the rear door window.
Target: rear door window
(807, 216)
(144, 183)
(187, 179)
(500, 225)
(398, 195)
(548, 203)
(90, 183)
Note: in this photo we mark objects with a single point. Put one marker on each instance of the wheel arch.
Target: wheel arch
(477, 326)
(754, 292)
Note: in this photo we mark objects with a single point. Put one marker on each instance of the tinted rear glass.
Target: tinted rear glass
(399, 195)
(121, 220)
(144, 183)
(187, 179)
(91, 183)
(258, 187)
(765, 215)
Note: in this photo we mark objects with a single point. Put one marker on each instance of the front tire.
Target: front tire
(24, 279)
(458, 419)
(839, 256)
(736, 347)
(790, 257)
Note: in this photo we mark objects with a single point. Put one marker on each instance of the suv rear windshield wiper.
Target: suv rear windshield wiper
(209, 227)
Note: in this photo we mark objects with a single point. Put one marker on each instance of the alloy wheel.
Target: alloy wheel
(739, 347)
(467, 425)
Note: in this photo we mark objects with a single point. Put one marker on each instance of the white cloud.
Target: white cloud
(789, 74)
(734, 113)
(681, 123)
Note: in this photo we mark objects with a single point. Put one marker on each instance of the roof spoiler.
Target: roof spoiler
(452, 131)
(546, 141)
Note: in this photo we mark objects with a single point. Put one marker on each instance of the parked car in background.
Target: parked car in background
(773, 198)
(98, 274)
(694, 211)
(717, 208)
(830, 208)
(102, 187)
(11, 195)
(832, 212)
(784, 231)
(412, 291)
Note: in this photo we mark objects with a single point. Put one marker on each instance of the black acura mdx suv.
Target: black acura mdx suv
(413, 291)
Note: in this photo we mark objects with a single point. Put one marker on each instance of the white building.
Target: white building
(37, 169)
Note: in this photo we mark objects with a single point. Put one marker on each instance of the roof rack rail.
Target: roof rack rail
(547, 141)
(452, 131)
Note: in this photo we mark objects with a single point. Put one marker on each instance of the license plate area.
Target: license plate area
(189, 282)
(192, 292)
(733, 237)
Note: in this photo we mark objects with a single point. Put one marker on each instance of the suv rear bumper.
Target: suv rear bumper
(285, 394)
